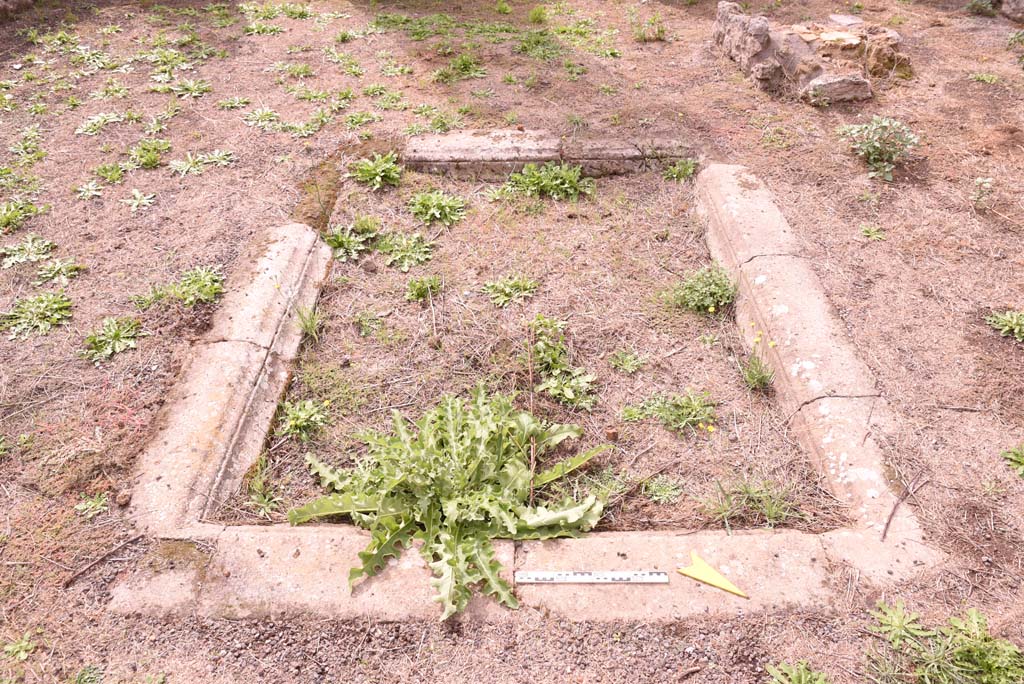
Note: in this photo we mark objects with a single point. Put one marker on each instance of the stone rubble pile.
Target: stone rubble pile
(819, 63)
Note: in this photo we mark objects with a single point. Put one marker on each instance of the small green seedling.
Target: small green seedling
(872, 232)
(262, 496)
(199, 286)
(114, 336)
(563, 382)
(423, 289)
(380, 171)
(801, 673)
(1015, 459)
(36, 315)
(752, 502)
(681, 170)
(91, 506)
(21, 649)
(626, 361)
(352, 240)
(33, 248)
(139, 200)
(662, 490)
(437, 206)
(705, 291)
(58, 271)
(404, 250)
(302, 419)
(512, 289)
(1008, 323)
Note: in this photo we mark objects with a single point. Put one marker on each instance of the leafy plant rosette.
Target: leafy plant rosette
(456, 481)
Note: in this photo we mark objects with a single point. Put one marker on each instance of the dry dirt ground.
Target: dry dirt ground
(913, 303)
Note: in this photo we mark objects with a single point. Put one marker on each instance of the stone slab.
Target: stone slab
(273, 570)
(784, 315)
(776, 569)
(215, 420)
(496, 153)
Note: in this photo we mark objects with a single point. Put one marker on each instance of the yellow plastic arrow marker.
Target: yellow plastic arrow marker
(702, 572)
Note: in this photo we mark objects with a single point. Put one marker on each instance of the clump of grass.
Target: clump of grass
(662, 490)
(761, 503)
(539, 44)
(437, 206)
(563, 382)
(262, 496)
(33, 248)
(757, 375)
(36, 315)
(352, 240)
(462, 67)
(538, 15)
(511, 289)
(404, 250)
(1015, 458)
(990, 79)
(233, 103)
(311, 321)
(882, 143)
(557, 181)
(649, 30)
(302, 420)
(423, 289)
(115, 335)
(201, 285)
(681, 170)
(705, 291)
(677, 412)
(378, 172)
(626, 361)
(1008, 323)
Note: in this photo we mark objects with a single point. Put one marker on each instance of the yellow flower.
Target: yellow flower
(711, 428)
(771, 343)
(711, 309)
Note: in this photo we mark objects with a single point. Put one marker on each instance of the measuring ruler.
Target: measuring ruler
(591, 577)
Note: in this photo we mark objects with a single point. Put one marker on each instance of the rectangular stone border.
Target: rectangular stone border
(217, 418)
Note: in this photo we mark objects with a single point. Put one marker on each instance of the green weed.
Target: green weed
(33, 248)
(262, 496)
(882, 143)
(201, 285)
(302, 419)
(15, 213)
(115, 335)
(1015, 459)
(662, 490)
(751, 502)
(563, 382)
(57, 271)
(557, 181)
(681, 170)
(677, 412)
(626, 361)
(36, 315)
(476, 453)
(705, 291)
(437, 206)
(377, 172)
(311, 321)
(801, 673)
(91, 506)
(403, 250)
(354, 239)
(423, 289)
(1008, 324)
(20, 649)
(511, 289)
(649, 30)
(757, 375)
